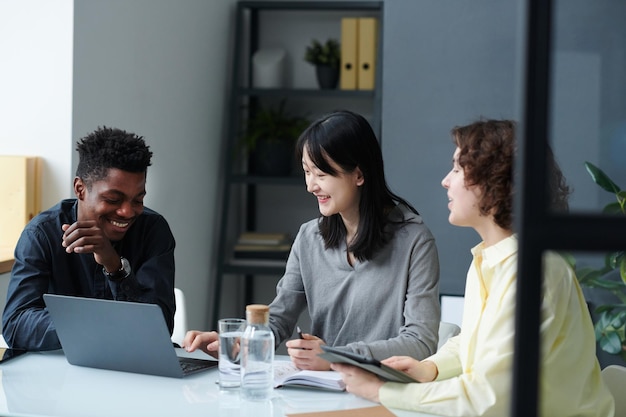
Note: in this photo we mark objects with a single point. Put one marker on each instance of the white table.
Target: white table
(45, 384)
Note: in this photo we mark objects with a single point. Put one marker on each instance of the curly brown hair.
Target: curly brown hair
(486, 152)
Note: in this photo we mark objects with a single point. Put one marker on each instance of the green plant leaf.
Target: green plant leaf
(610, 342)
(601, 323)
(609, 308)
(613, 259)
(610, 318)
(608, 331)
(617, 319)
(328, 53)
(613, 208)
(588, 276)
(570, 259)
(621, 200)
(274, 124)
(600, 178)
(595, 278)
(607, 284)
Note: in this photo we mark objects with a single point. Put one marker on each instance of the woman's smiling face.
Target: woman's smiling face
(335, 193)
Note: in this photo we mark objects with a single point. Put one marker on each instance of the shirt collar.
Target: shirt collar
(495, 254)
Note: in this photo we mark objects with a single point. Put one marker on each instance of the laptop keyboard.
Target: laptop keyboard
(191, 365)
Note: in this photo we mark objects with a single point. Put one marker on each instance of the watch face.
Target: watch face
(120, 274)
(125, 267)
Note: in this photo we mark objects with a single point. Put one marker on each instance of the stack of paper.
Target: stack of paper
(251, 245)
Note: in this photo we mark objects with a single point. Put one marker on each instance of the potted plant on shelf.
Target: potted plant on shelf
(326, 57)
(606, 285)
(269, 138)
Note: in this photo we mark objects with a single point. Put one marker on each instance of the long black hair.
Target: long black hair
(347, 139)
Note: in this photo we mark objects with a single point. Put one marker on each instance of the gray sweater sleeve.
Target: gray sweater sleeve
(290, 300)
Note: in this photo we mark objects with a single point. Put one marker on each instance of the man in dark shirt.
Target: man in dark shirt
(102, 244)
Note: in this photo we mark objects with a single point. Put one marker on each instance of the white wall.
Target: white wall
(159, 68)
(36, 88)
(36, 91)
(445, 64)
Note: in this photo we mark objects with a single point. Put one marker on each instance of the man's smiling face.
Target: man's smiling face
(114, 202)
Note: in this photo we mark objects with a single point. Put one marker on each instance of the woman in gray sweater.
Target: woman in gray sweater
(367, 269)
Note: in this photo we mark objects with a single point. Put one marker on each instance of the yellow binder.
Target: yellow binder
(368, 35)
(20, 191)
(349, 45)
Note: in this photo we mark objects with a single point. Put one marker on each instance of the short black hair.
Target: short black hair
(107, 148)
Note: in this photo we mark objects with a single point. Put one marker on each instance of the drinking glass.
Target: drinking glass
(230, 331)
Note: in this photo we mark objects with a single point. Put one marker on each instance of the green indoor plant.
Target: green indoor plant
(610, 317)
(327, 53)
(269, 137)
(326, 57)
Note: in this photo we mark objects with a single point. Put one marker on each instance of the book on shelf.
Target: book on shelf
(254, 238)
(349, 44)
(266, 246)
(359, 39)
(277, 252)
(287, 375)
(366, 55)
(261, 263)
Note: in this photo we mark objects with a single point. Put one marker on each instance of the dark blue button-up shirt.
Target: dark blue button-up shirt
(42, 266)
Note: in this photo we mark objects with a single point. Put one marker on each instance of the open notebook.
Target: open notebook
(287, 375)
(118, 335)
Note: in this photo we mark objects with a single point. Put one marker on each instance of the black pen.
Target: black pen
(299, 330)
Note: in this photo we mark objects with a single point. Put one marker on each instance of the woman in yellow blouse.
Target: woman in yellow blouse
(471, 375)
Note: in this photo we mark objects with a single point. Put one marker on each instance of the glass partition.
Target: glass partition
(574, 104)
(587, 102)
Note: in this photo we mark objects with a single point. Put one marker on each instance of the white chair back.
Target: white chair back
(180, 317)
(446, 331)
(614, 377)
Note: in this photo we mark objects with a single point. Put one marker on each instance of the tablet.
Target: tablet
(372, 365)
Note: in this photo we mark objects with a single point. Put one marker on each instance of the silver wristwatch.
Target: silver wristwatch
(121, 273)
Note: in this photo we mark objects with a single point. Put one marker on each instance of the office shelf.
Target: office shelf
(306, 92)
(259, 179)
(241, 199)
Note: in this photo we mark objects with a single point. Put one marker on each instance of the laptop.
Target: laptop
(118, 335)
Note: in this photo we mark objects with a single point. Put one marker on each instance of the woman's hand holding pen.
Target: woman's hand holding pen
(304, 351)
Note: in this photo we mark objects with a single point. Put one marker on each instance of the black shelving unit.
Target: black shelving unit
(239, 185)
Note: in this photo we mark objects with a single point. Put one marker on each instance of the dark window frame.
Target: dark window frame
(538, 228)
